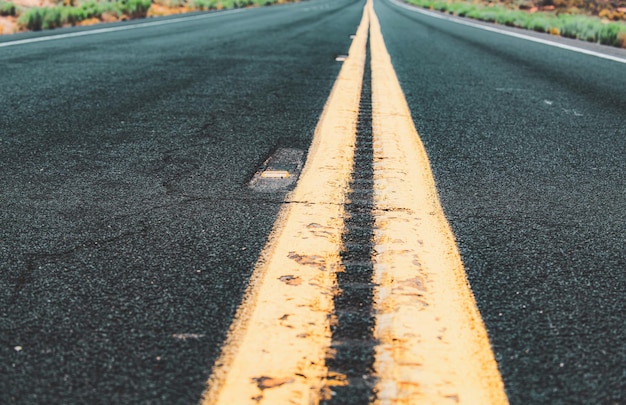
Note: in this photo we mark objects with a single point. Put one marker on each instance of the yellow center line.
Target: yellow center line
(276, 349)
(433, 346)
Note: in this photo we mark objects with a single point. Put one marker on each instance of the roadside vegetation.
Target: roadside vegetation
(63, 13)
(593, 21)
(7, 9)
(39, 18)
(601, 21)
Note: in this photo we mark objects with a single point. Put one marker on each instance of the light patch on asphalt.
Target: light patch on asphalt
(510, 89)
(571, 111)
(279, 172)
(324, 7)
(187, 336)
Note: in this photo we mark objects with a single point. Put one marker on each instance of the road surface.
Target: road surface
(129, 232)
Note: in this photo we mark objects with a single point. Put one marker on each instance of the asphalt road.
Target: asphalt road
(128, 232)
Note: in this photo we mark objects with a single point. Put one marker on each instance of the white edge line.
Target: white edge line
(503, 32)
(115, 29)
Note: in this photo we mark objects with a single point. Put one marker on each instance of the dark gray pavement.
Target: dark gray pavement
(127, 231)
(528, 148)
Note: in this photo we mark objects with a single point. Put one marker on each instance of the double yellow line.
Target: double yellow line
(433, 347)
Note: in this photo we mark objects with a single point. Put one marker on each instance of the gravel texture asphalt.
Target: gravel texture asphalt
(128, 231)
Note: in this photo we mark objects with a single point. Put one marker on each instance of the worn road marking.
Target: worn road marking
(275, 352)
(433, 346)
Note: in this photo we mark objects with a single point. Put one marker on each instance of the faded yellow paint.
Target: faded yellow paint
(276, 348)
(434, 348)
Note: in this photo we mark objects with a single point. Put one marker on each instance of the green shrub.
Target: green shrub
(504, 19)
(91, 9)
(440, 6)
(610, 34)
(539, 24)
(465, 9)
(488, 15)
(73, 15)
(474, 14)
(570, 25)
(7, 9)
(135, 8)
(32, 19)
(513, 18)
(203, 4)
(52, 18)
(42, 18)
(583, 27)
(171, 3)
